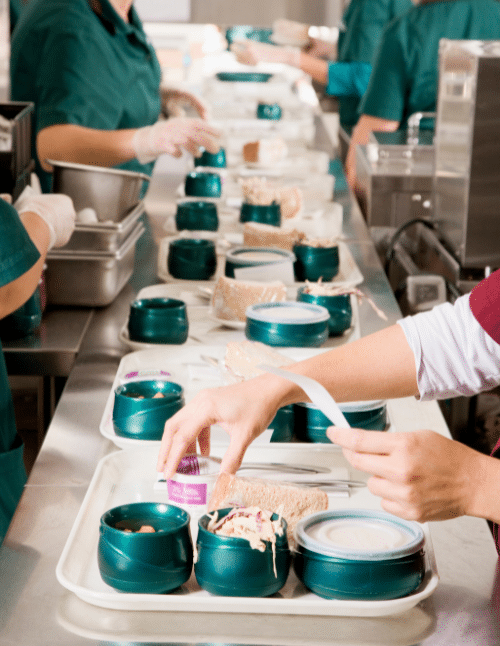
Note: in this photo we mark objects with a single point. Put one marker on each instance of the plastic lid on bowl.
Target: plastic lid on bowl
(359, 535)
(288, 313)
(259, 255)
(352, 407)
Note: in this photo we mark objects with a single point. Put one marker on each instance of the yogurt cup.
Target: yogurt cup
(191, 487)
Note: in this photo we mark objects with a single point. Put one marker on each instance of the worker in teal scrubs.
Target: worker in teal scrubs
(43, 221)
(346, 78)
(405, 69)
(95, 81)
(15, 9)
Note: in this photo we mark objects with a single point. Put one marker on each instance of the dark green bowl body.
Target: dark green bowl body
(138, 415)
(283, 424)
(145, 563)
(212, 160)
(334, 578)
(196, 216)
(158, 320)
(243, 77)
(203, 184)
(339, 307)
(237, 32)
(311, 424)
(263, 325)
(263, 213)
(228, 566)
(192, 259)
(270, 111)
(236, 259)
(313, 263)
(25, 320)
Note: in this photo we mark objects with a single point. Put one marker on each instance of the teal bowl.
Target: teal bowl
(23, 321)
(196, 216)
(315, 263)
(212, 160)
(203, 184)
(349, 570)
(270, 111)
(158, 320)
(238, 32)
(243, 77)
(255, 257)
(283, 424)
(192, 259)
(138, 414)
(287, 324)
(148, 563)
(263, 213)
(339, 308)
(228, 566)
(311, 424)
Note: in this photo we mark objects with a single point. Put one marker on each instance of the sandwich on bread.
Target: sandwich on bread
(256, 234)
(243, 357)
(231, 297)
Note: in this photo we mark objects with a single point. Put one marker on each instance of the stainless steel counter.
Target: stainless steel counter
(37, 610)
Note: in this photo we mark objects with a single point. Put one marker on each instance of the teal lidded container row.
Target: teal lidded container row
(196, 216)
(339, 308)
(212, 160)
(192, 259)
(158, 320)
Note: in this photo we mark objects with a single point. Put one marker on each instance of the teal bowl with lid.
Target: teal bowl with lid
(203, 184)
(192, 258)
(158, 320)
(283, 424)
(271, 111)
(23, 321)
(315, 263)
(196, 216)
(339, 308)
(244, 77)
(141, 408)
(255, 257)
(359, 554)
(263, 213)
(311, 424)
(212, 160)
(229, 566)
(147, 563)
(287, 324)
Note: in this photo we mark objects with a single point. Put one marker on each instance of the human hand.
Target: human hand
(251, 52)
(174, 100)
(420, 475)
(172, 135)
(240, 409)
(321, 48)
(56, 210)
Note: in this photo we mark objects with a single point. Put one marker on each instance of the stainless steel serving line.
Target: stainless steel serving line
(36, 610)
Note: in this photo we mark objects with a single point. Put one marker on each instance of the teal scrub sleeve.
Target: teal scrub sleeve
(348, 79)
(12, 471)
(17, 251)
(385, 96)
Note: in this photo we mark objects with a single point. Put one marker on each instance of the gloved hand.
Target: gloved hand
(172, 135)
(174, 99)
(251, 52)
(56, 211)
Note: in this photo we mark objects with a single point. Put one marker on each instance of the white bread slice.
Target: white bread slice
(266, 152)
(256, 234)
(243, 357)
(291, 501)
(231, 297)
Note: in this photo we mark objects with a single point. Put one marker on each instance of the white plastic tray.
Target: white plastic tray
(126, 476)
(205, 327)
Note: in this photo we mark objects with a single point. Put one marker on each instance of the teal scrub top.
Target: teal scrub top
(363, 22)
(405, 71)
(84, 69)
(17, 255)
(15, 8)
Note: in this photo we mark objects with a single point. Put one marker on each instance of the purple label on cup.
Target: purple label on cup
(147, 373)
(189, 466)
(186, 493)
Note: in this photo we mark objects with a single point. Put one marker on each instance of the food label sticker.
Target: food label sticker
(184, 493)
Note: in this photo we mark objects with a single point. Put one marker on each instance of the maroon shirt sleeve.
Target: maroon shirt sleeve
(484, 303)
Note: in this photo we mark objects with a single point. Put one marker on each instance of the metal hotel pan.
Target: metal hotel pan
(92, 279)
(104, 236)
(111, 192)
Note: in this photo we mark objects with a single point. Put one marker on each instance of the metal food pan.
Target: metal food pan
(104, 236)
(91, 279)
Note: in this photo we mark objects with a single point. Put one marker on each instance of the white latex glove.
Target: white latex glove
(172, 135)
(56, 210)
(174, 101)
(251, 52)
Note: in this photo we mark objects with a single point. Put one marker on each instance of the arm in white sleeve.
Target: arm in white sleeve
(453, 354)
